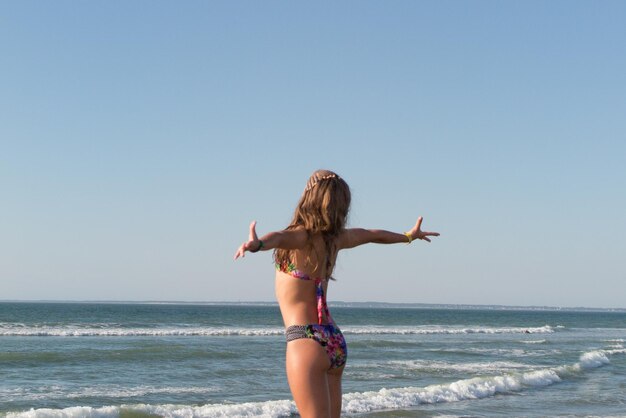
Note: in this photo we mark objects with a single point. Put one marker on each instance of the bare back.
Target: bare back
(297, 297)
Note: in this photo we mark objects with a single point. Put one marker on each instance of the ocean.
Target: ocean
(227, 360)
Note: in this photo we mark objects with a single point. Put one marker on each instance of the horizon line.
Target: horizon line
(337, 303)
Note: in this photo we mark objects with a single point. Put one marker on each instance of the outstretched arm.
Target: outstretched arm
(358, 236)
(288, 240)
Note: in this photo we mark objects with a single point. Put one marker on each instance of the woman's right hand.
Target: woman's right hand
(253, 243)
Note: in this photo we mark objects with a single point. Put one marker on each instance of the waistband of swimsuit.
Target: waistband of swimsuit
(295, 332)
(298, 329)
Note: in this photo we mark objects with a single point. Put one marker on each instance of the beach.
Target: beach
(227, 360)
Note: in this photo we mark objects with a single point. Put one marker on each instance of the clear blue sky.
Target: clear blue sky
(138, 140)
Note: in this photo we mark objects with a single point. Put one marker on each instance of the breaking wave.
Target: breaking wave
(356, 402)
(19, 330)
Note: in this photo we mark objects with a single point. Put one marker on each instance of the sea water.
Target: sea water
(227, 360)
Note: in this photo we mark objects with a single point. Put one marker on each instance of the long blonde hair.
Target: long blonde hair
(323, 208)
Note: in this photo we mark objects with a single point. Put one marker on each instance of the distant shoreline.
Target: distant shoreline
(339, 304)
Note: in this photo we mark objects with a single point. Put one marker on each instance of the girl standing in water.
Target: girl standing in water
(305, 253)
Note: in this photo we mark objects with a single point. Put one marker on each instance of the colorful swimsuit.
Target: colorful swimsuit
(328, 335)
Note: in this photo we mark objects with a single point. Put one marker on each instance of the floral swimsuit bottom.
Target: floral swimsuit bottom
(328, 335)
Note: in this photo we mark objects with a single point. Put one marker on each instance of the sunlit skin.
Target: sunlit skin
(315, 386)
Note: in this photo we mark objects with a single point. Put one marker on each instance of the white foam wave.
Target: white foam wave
(534, 341)
(507, 352)
(510, 352)
(593, 359)
(616, 346)
(71, 412)
(447, 330)
(472, 367)
(589, 360)
(59, 392)
(45, 331)
(475, 388)
(99, 331)
(356, 402)
(268, 409)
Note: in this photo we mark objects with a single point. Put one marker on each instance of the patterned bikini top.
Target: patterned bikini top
(322, 307)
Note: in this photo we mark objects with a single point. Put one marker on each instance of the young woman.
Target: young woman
(305, 253)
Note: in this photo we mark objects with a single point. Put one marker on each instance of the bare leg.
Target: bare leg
(334, 390)
(307, 366)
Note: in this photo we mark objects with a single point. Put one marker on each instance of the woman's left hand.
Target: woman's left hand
(253, 243)
(417, 233)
